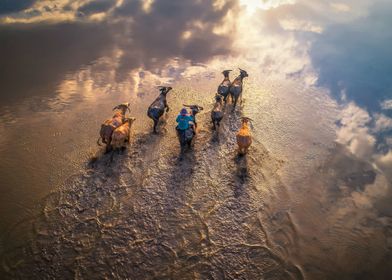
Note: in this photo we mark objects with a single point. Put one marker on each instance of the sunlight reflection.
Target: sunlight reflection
(186, 35)
(300, 25)
(253, 5)
(341, 7)
(286, 46)
(147, 5)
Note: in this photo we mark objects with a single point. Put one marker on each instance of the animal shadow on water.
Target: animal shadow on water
(215, 137)
(108, 157)
(241, 174)
(107, 163)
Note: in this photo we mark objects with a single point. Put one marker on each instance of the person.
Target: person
(184, 120)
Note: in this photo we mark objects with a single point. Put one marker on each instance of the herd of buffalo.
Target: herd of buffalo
(115, 132)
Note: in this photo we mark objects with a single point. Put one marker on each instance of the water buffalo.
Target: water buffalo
(121, 134)
(244, 138)
(236, 87)
(224, 87)
(217, 111)
(157, 108)
(111, 124)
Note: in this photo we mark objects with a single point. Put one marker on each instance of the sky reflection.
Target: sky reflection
(341, 46)
(137, 36)
(320, 80)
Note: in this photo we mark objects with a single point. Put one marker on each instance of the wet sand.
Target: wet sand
(149, 213)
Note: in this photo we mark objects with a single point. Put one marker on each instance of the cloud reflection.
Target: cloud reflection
(35, 58)
(355, 59)
(141, 35)
(354, 131)
(84, 48)
(13, 6)
(171, 29)
(97, 6)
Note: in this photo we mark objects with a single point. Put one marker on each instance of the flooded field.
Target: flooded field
(311, 199)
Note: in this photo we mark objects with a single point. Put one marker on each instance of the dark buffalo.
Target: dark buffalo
(157, 108)
(236, 87)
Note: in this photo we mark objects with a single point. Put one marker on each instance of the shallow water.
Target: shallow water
(302, 204)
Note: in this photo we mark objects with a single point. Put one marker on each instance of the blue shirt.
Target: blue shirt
(183, 122)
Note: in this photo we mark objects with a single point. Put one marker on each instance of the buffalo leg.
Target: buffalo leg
(235, 103)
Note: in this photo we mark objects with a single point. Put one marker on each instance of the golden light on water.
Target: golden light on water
(317, 164)
(253, 5)
(147, 5)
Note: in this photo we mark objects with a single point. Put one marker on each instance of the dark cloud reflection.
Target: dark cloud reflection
(11, 6)
(35, 58)
(97, 6)
(171, 29)
(38, 55)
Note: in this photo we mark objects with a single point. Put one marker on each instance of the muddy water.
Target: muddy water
(150, 213)
(303, 204)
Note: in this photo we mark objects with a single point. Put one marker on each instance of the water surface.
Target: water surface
(312, 198)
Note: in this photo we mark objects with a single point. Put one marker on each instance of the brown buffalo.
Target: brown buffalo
(244, 138)
(121, 134)
(110, 125)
